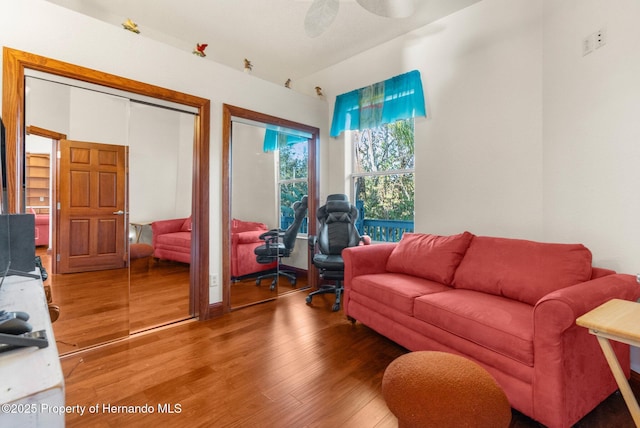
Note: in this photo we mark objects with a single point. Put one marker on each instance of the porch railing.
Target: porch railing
(378, 230)
(381, 230)
(384, 230)
(285, 222)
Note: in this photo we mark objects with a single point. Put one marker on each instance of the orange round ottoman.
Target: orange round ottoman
(438, 389)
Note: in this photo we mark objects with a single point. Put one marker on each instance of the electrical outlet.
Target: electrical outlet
(600, 38)
(587, 45)
(213, 280)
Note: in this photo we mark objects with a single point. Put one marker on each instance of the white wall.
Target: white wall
(253, 177)
(160, 163)
(479, 152)
(591, 131)
(48, 104)
(97, 118)
(46, 29)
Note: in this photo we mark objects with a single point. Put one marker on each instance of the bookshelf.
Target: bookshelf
(38, 182)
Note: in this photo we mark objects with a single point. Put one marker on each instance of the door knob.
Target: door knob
(119, 212)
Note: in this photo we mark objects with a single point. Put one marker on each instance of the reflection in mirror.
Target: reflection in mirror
(160, 171)
(269, 173)
(102, 302)
(16, 66)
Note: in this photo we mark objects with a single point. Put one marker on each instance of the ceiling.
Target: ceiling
(269, 33)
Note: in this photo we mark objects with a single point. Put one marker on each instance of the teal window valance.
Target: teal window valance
(397, 98)
(277, 137)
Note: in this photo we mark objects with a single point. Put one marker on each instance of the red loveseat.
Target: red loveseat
(245, 237)
(508, 304)
(172, 239)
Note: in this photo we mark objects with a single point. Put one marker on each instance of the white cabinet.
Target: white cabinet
(31, 380)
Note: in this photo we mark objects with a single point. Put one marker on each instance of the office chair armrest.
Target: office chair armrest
(312, 240)
(271, 236)
(365, 240)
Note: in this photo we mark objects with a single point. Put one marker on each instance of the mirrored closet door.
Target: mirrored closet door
(271, 168)
(116, 172)
(126, 165)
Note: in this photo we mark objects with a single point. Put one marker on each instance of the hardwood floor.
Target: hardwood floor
(280, 363)
(158, 295)
(101, 306)
(245, 291)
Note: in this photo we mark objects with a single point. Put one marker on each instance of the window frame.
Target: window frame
(354, 176)
(283, 182)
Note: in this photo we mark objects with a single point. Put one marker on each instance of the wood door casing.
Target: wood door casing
(92, 192)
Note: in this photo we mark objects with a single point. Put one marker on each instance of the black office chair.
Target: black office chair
(279, 243)
(336, 232)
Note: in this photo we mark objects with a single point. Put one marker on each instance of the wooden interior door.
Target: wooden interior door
(92, 217)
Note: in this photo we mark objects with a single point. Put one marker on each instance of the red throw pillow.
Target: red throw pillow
(522, 270)
(428, 256)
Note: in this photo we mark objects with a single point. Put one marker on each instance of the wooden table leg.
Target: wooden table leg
(621, 379)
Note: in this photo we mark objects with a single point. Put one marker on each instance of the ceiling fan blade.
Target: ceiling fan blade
(389, 8)
(320, 15)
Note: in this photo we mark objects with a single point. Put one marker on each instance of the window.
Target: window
(293, 185)
(383, 180)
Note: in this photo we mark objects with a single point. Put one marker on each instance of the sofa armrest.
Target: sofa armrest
(568, 360)
(559, 309)
(366, 259)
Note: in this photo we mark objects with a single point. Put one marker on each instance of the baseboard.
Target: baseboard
(215, 310)
(297, 270)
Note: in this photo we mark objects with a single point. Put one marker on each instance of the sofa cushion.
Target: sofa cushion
(502, 325)
(428, 256)
(250, 237)
(398, 291)
(174, 240)
(522, 270)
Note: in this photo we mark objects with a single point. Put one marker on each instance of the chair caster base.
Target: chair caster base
(308, 299)
(335, 307)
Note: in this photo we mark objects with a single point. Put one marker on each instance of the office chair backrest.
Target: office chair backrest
(299, 212)
(337, 225)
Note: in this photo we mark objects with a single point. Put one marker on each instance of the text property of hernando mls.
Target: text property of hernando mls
(104, 408)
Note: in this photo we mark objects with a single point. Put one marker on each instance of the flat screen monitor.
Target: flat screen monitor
(17, 243)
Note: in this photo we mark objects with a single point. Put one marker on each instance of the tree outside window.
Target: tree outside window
(383, 179)
(292, 183)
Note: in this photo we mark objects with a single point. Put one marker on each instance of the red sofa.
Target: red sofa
(508, 304)
(42, 229)
(172, 239)
(245, 237)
